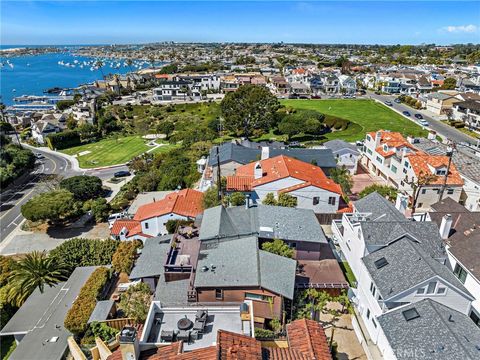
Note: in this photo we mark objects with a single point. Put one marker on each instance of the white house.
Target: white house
(391, 156)
(346, 154)
(42, 128)
(283, 174)
(397, 263)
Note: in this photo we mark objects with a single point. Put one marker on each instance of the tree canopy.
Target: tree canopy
(388, 192)
(83, 187)
(285, 200)
(51, 206)
(278, 247)
(249, 108)
(343, 178)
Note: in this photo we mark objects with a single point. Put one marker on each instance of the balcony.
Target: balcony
(183, 254)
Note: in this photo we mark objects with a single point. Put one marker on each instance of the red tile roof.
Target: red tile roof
(239, 183)
(134, 227)
(392, 139)
(187, 202)
(280, 167)
(420, 164)
(232, 346)
(308, 337)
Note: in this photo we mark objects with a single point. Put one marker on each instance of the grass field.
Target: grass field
(365, 116)
(112, 151)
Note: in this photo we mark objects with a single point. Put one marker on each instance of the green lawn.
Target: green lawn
(365, 115)
(112, 151)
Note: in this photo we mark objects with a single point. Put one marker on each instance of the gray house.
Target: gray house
(345, 154)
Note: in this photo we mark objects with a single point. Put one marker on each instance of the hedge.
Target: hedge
(125, 255)
(63, 140)
(78, 315)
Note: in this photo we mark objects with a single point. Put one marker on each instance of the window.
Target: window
(146, 225)
(369, 151)
(394, 169)
(475, 318)
(368, 313)
(374, 323)
(379, 159)
(406, 163)
(420, 205)
(441, 290)
(441, 172)
(369, 138)
(449, 191)
(460, 273)
(421, 291)
(316, 200)
(424, 191)
(372, 289)
(431, 287)
(293, 245)
(258, 297)
(218, 294)
(332, 200)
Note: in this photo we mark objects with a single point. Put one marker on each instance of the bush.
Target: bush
(83, 187)
(100, 208)
(171, 225)
(14, 161)
(103, 331)
(124, 256)
(85, 252)
(135, 302)
(237, 198)
(264, 334)
(65, 104)
(63, 140)
(51, 206)
(78, 315)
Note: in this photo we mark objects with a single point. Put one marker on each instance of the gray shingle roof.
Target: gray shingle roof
(439, 333)
(405, 256)
(101, 311)
(172, 293)
(237, 262)
(42, 317)
(151, 261)
(377, 206)
(263, 221)
(338, 145)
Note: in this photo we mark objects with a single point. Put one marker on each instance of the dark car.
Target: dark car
(406, 113)
(418, 116)
(389, 103)
(377, 92)
(397, 100)
(122, 173)
(316, 97)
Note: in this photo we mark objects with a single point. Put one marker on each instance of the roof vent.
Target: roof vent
(380, 263)
(204, 268)
(450, 318)
(410, 314)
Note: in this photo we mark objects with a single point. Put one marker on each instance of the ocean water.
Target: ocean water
(31, 75)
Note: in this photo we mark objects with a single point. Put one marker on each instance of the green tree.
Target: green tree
(99, 207)
(135, 302)
(249, 108)
(287, 200)
(388, 192)
(35, 270)
(166, 127)
(449, 84)
(83, 187)
(291, 125)
(343, 178)
(278, 247)
(269, 200)
(125, 255)
(53, 206)
(237, 198)
(210, 198)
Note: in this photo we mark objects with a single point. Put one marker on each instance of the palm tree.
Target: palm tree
(35, 270)
(151, 59)
(116, 78)
(129, 63)
(99, 64)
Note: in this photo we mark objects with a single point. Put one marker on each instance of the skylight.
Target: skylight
(410, 314)
(380, 263)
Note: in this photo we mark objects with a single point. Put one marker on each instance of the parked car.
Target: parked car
(122, 173)
(114, 217)
(39, 156)
(359, 143)
(424, 122)
(406, 113)
(418, 116)
(316, 97)
(377, 92)
(398, 101)
(388, 103)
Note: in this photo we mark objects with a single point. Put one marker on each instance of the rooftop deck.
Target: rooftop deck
(183, 254)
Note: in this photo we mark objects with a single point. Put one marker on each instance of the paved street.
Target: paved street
(441, 128)
(12, 201)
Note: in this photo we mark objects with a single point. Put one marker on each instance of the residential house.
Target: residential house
(346, 154)
(283, 174)
(150, 219)
(305, 340)
(399, 264)
(391, 156)
(439, 102)
(172, 90)
(459, 227)
(42, 128)
(38, 325)
(469, 112)
(348, 85)
(278, 85)
(331, 84)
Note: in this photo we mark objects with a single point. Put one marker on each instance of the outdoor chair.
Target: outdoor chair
(166, 335)
(183, 335)
(194, 335)
(201, 315)
(199, 326)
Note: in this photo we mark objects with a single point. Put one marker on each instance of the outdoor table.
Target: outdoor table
(184, 324)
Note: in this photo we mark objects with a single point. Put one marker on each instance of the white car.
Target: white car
(423, 122)
(114, 217)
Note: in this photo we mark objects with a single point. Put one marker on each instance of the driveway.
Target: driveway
(364, 179)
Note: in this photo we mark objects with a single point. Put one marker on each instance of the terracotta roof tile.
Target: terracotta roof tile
(232, 346)
(134, 227)
(239, 183)
(186, 202)
(308, 337)
(280, 167)
(420, 164)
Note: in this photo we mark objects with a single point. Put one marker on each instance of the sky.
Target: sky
(356, 22)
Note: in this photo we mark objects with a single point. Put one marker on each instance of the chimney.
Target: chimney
(247, 201)
(401, 203)
(446, 226)
(258, 172)
(129, 343)
(265, 152)
(378, 138)
(410, 139)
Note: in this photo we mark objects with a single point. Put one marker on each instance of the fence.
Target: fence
(118, 324)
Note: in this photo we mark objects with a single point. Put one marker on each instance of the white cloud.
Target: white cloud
(461, 29)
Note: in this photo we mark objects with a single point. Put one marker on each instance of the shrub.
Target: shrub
(51, 206)
(171, 225)
(124, 256)
(103, 331)
(83, 187)
(78, 315)
(65, 104)
(63, 140)
(237, 198)
(85, 252)
(135, 302)
(99, 207)
(264, 333)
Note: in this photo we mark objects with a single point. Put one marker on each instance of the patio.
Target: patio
(164, 325)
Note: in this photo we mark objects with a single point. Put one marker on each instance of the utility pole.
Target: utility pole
(445, 178)
(416, 185)
(219, 177)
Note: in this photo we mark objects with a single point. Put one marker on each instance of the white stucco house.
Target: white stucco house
(283, 174)
(345, 154)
